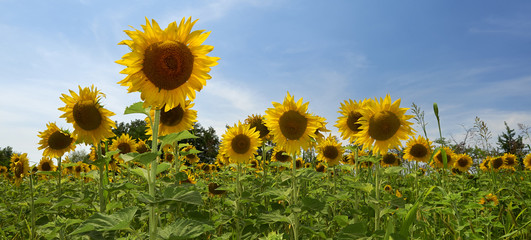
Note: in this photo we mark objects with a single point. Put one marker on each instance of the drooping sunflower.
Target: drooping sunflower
(213, 189)
(388, 188)
(174, 120)
(349, 158)
(463, 162)
(347, 123)
(509, 161)
(319, 132)
(79, 168)
(46, 164)
(298, 163)
(240, 143)
(55, 141)
(166, 66)
(189, 154)
(320, 167)
(291, 125)
(20, 167)
(527, 161)
(3, 171)
(280, 155)
(438, 160)
(496, 163)
(257, 122)
(485, 164)
(84, 110)
(142, 147)
(418, 149)
(383, 125)
(330, 151)
(222, 160)
(190, 178)
(390, 159)
(124, 143)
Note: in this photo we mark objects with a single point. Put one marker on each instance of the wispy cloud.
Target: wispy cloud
(519, 25)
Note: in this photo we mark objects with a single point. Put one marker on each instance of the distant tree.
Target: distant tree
(136, 129)
(510, 143)
(207, 142)
(5, 156)
(78, 156)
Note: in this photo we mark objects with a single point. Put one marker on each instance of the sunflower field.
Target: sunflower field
(278, 175)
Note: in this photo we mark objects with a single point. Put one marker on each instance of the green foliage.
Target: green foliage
(5, 156)
(510, 143)
(136, 129)
(207, 142)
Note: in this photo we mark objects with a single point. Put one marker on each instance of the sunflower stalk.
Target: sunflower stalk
(377, 193)
(294, 197)
(152, 177)
(100, 186)
(264, 176)
(32, 208)
(59, 175)
(238, 202)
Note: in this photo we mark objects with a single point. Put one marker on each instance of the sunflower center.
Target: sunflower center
(389, 159)
(352, 121)
(78, 169)
(87, 115)
(172, 117)
(497, 162)
(19, 169)
(440, 158)
(241, 143)
(168, 64)
(462, 162)
(383, 125)
(320, 168)
(59, 140)
(281, 157)
(124, 148)
(510, 161)
(254, 164)
(46, 166)
(418, 150)
(330, 152)
(142, 148)
(260, 127)
(292, 125)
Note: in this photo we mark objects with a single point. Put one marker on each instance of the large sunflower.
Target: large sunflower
(383, 125)
(46, 164)
(496, 163)
(347, 123)
(166, 66)
(91, 121)
(174, 120)
(330, 151)
(240, 143)
(19, 166)
(418, 149)
(55, 141)
(463, 162)
(438, 160)
(124, 143)
(291, 125)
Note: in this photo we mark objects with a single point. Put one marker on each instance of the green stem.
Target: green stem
(294, 197)
(264, 176)
(100, 186)
(238, 199)
(152, 177)
(60, 171)
(377, 190)
(32, 208)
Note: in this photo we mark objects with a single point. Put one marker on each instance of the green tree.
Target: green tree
(5, 156)
(510, 143)
(136, 129)
(78, 156)
(207, 142)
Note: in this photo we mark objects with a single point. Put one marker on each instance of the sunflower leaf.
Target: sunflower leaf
(172, 138)
(103, 222)
(184, 229)
(137, 108)
(140, 172)
(163, 167)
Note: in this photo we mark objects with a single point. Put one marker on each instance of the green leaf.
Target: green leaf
(408, 220)
(173, 138)
(143, 158)
(184, 229)
(314, 204)
(366, 187)
(163, 167)
(393, 170)
(137, 108)
(341, 220)
(102, 222)
(140, 172)
(353, 231)
(273, 218)
(181, 194)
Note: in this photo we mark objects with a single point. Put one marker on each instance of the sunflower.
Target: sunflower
(166, 66)
(257, 122)
(213, 189)
(330, 151)
(349, 158)
(189, 178)
(222, 160)
(298, 163)
(527, 161)
(307, 165)
(91, 121)
(55, 141)
(347, 123)
(291, 125)
(383, 125)
(79, 168)
(142, 147)
(46, 165)
(319, 136)
(388, 188)
(320, 167)
(190, 158)
(124, 143)
(438, 158)
(418, 149)
(168, 157)
(509, 161)
(19, 166)
(240, 143)
(496, 163)
(485, 164)
(463, 162)
(3, 171)
(174, 120)
(489, 198)
(280, 155)
(390, 159)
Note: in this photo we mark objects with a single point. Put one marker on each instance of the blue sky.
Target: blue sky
(471, 57)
